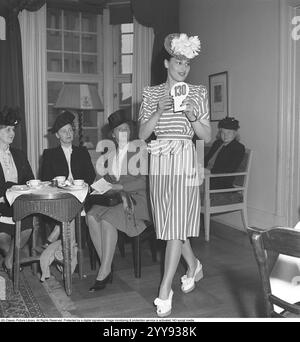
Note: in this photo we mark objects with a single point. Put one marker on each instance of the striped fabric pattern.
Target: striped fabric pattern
(171, 123)
(174, 190)
(175, 199)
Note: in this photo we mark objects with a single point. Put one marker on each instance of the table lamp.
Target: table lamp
(79, 97)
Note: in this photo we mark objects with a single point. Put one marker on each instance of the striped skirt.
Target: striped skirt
(174, 190)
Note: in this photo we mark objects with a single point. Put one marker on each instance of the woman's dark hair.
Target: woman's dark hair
(158, 71)
(165, 55)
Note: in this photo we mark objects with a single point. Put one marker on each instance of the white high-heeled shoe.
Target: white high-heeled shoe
(188, 284)
(164, 307)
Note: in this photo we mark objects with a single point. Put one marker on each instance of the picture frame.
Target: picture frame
(218, 96)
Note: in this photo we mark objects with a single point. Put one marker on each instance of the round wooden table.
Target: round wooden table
(61, 206)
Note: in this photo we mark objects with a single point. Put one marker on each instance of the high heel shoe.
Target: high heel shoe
(188, 284)
(164, 307)
(101, 284)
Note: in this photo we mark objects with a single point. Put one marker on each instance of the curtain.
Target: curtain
(120, 14)
(33, 34)
(11, 70)
(11, 80)
(142, 52)
(163, 16)
(91, 6)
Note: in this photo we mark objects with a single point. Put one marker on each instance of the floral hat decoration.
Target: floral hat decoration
(181, 46)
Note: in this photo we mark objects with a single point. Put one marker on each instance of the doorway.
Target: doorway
(288, 175)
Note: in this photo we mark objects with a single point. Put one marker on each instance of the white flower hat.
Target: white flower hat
(181, 46)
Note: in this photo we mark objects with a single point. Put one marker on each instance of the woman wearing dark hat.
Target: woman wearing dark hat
(174, 184)
(128, 216)
(14, 169)
(67, 160)
(226, 153)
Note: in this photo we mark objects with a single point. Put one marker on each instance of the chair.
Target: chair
(225, 200)
(278, 240)
(136, 241)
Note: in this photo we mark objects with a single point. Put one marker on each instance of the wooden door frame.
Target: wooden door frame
(288, 151)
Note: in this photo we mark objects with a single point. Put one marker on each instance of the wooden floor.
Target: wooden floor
(230, 287)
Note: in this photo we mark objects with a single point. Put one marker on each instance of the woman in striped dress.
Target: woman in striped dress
(174, 185)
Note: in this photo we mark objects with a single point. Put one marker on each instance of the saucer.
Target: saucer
(20, 188)
(45, 183)
(73, 187)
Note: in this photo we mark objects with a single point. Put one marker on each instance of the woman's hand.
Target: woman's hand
(190, 110)
(116, 187)
(165, 103)
(146, 128)
(110, 178)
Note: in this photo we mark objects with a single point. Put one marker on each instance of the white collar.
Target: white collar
(6, 150)
(69, 148)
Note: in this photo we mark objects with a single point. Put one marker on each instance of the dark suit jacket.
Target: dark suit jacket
(228, 160)
(24, 174)
(54, 163)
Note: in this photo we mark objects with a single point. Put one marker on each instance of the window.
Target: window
(123, 55)
(74, 40)
(77, 45)
(71, 42)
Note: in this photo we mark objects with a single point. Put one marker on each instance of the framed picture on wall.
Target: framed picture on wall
(218, 96)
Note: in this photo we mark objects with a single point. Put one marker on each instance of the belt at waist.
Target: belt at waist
(174, 137)
(163, 146)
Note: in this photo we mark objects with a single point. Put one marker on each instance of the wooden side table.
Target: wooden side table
(60, 206)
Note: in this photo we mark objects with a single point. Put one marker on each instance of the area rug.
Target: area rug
(20, 304)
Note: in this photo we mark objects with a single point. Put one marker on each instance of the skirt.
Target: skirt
(118, 219)
(175, 193)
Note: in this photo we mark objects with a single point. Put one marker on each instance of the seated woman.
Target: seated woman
(225, 154)
(14, 169)
(67, 160)
(128, 216)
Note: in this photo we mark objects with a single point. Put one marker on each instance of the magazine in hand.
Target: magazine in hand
(101, 186)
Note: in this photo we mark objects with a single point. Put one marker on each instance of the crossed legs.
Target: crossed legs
(174, 250)
(104, 237)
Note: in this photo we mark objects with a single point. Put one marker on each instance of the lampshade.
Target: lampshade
(79, 96)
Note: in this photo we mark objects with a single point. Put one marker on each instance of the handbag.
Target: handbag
(106, 200)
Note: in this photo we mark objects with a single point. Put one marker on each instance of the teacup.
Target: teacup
(59, 180)
(78, 182)
(33, 183)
